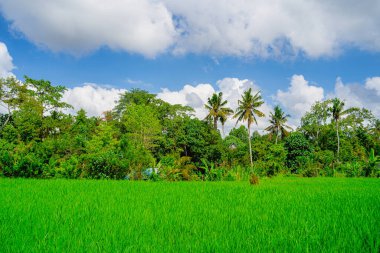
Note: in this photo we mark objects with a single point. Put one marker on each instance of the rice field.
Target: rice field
(280, 214)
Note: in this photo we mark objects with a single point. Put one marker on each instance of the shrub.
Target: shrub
(299, 151)
(106, 164)
(328, 171)
(69, 168)
(353, 169)
(372, 168)
(253, 179)
(211, 172)
(167, 161)
(230, 176)
(324, 158)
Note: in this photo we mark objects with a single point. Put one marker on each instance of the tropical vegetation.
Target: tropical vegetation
(144, 137)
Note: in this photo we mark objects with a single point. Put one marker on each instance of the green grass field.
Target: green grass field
(281, 214)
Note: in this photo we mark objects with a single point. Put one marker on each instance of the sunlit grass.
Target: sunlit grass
(280, 214)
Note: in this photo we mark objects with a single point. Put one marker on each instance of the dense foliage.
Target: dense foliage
(144, 137)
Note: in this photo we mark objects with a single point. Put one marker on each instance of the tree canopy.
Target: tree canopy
(38, 139)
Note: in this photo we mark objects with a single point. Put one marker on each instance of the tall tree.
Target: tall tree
(224, 113)
(336, 112)
(278, 125)
(134, 96)
(217, 110)
(247, 111)
(223, 120)
(12, 94)
(142, 125)
(45, 93)
(314, 121)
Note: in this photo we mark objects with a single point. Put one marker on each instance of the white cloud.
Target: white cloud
(93, 98)
(299, 97)
(196, 97)
(6, 64)
(78, 27)
(242, 27)
(360, 95)
(373, 84)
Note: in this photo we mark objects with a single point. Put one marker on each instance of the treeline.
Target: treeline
(144, 137)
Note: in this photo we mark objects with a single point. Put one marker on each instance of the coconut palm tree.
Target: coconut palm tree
(278, 125)
(336, 111)
(223, 117)
(247, 111)
(217, 110)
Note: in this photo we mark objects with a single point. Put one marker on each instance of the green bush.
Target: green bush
(104, 165)
(328, 171)
(167, 161)
(299, 152)
(69, 168)
(229, 176)
(28, 165)
(324, 158)
(372, 167)
(351, 169)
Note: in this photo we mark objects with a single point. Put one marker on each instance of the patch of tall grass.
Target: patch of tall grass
(280, 214)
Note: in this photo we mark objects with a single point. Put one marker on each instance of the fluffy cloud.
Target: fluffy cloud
(299, 97)
(6, 65)
(78, 27)
(373, 84)
(242, 27)
(196, 97)
(360, 95)
(93, 98)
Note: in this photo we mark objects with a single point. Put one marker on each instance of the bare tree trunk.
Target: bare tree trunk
(7, 120)
(317, 136)
(250, 146)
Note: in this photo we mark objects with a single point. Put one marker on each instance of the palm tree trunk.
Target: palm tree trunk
(215, 123)
(223, 130)
(250, 146)
(337, 135)
(277, 134)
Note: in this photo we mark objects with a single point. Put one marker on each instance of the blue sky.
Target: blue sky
(154, 45)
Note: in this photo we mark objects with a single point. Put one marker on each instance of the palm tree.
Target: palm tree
(336, 112)
(223, 121)
(247, 111)
(223, 117)
(217, 110)
(277, 121)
